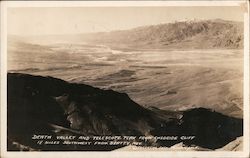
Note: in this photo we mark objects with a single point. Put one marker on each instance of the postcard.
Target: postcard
(124, 79)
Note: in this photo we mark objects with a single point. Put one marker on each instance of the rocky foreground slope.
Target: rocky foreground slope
(46, 105)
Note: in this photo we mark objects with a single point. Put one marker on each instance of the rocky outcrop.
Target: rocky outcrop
(46, 105)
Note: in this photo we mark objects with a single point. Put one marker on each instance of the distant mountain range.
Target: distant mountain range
(188, 34)
(46, 105)
(203, 34)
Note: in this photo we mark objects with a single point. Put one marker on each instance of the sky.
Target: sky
(73, 20)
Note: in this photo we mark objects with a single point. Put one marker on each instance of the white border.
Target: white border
(172, 154)
(246, 84)
(120, 3)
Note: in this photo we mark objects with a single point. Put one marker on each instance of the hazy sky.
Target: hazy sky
(44, 21)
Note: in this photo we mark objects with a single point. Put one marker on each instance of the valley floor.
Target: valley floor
(167, 79)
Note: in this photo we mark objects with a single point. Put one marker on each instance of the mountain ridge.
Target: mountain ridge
(201, 34)
(184, 34)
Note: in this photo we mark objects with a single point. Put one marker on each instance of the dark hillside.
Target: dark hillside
(46, 105)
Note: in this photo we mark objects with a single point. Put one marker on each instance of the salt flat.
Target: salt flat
(167, 79)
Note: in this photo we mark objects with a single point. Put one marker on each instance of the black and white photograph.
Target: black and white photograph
(124, 78)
